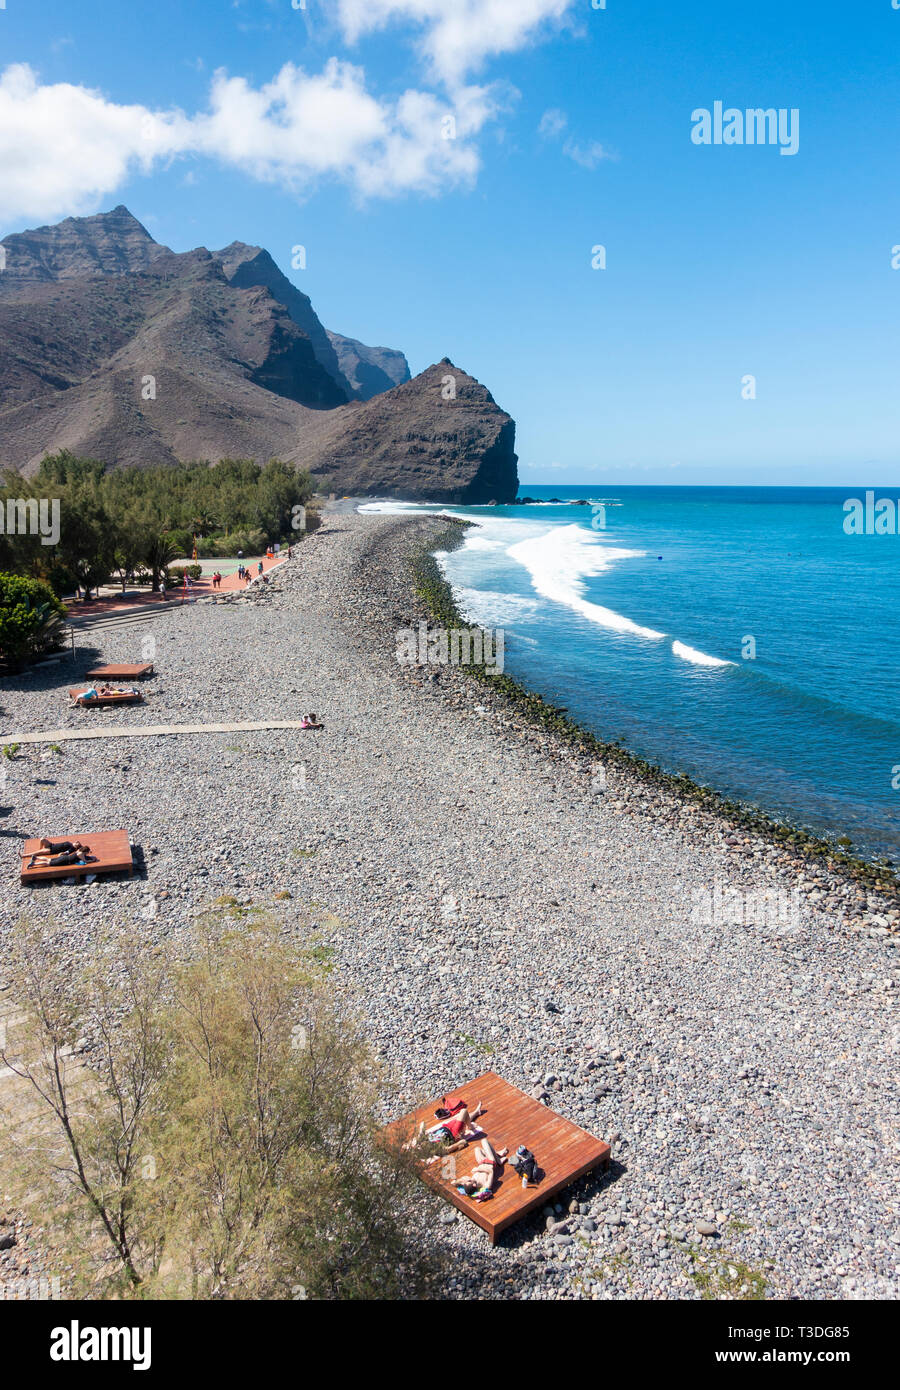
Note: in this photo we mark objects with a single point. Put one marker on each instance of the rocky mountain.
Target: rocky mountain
(368, 370)
(112, 243)
(439, 437)
(361, 371)
(119, 349)
(248, 266)
(152, 367)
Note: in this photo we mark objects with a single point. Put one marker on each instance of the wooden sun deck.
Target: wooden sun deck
(125, 698)
(563, 1151)
(124, 671)
(109, 850)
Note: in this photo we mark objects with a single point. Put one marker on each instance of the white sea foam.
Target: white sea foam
(479, 542)
(698, 658)
(493, 609)
(391, 507)
(559, 559)
(559, 563)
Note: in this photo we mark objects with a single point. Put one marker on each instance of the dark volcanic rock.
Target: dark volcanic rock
(231, 372)
(360, 371)
(119, 349)
(246, 266)
(112, 243)
(439, 437)
(368, 370)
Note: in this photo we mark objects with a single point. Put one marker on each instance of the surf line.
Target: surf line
(560, 561)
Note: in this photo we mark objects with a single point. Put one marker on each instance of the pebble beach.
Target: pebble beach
(490, 899)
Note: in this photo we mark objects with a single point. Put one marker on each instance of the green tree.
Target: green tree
(32, 619)
(223, 1142)
(87, 542)
(159, 552)
(103, 511)
(132, 542)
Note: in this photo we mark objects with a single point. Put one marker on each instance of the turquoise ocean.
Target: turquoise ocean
(739, 635)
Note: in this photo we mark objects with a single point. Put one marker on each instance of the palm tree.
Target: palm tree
(161, 550)
(202, 522)
(49, 629)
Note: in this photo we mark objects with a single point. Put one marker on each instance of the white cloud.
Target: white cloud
(460, 36)
(552, 124)
(588, 155)
(64, 148)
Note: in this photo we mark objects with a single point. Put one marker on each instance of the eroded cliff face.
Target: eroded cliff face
(248, 266)
(165, 364)
(118, 349)
(440, 437)
(360, 371)
(112, 243)
(368, 370)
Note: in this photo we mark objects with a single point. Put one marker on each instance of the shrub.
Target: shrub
(31, 619)
(175, 576)
(183, 542)
(222, 1143)
(252, 541)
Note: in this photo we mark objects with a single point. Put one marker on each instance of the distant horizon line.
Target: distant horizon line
(767, 487)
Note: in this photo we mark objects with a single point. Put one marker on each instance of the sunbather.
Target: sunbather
(483, 1178)
(52, 853)
(104, 693)
(310, 721)
(456, 1130)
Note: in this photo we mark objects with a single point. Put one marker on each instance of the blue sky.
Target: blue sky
(573, 130)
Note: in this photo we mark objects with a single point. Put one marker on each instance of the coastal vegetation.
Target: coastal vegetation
(200, 1124)
(31, 619)
(131, 523)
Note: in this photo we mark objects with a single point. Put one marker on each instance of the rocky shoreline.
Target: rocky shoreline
(868, 888)
(487, 904)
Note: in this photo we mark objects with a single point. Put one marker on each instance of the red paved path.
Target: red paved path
(200, 588)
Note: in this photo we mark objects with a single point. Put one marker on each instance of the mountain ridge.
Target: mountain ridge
(118, 348)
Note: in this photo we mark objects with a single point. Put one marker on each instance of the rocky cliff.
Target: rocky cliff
(112, 243)
(440, 437)
(368, 370)
(119, 349)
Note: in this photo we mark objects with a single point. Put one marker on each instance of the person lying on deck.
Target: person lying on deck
(86, 696)
(456, 1130)
(52, 853)
(488, 1167)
